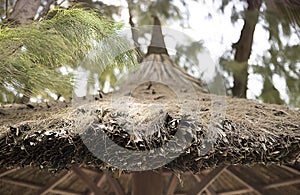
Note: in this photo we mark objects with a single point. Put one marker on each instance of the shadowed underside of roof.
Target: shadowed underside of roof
(223, 180)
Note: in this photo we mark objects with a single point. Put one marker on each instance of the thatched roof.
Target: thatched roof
(50, 136)
(157, 109)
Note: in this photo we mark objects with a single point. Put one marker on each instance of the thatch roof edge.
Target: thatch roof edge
(238, 142)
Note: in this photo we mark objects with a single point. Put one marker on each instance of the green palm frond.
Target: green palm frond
(31, 55)
(287, 8)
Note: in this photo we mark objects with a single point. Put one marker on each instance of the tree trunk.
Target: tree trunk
(243, 49)
(134, 32)
(147, 183)
(24, 11)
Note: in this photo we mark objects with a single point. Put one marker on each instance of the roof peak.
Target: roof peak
(157, 45)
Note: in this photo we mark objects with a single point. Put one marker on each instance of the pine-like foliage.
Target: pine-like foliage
(31, 55)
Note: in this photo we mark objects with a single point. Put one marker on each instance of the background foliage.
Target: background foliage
(280, 19)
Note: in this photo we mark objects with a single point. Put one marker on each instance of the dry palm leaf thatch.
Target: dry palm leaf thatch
(51, 138)
(158, 107)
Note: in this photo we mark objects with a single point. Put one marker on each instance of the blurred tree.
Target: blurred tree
(243, 49)
(281, 19)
